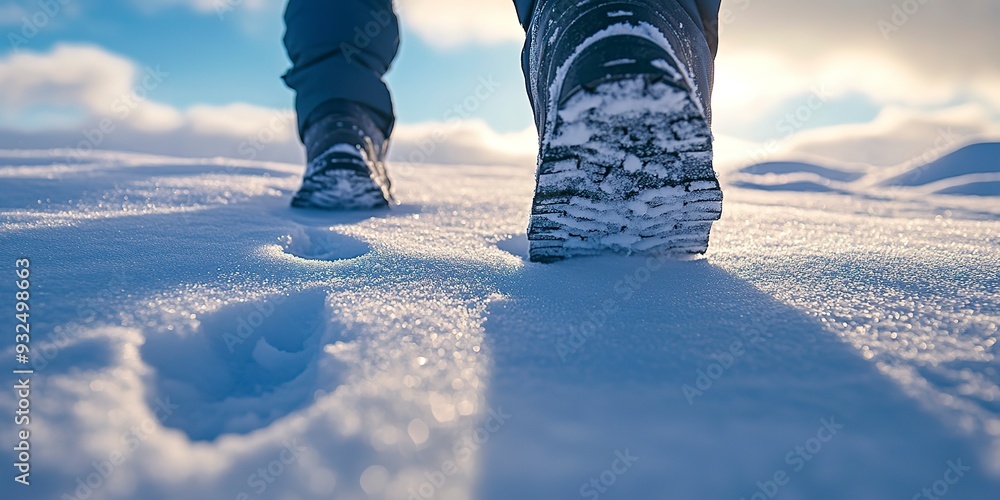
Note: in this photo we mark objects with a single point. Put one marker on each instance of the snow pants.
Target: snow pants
(340, 49)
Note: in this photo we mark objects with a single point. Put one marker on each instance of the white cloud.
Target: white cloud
(239, 119)
(896, 137)
(471, 142)
(87, 79)
(440, 23)
(949, 37)
(91, 80)
(773, 53)
(207, 6)
(80, 75)
(155, 117)
(110, 97)
(749, 84)
(109, 93)
(731, 153)
(450, 23)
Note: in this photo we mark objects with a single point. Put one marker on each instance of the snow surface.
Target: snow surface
(225, 345)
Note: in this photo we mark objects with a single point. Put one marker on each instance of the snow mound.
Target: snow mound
(982, 158)
(971, 187)
(801, 186)
(788, 167)
(970, 171)
(795, 177)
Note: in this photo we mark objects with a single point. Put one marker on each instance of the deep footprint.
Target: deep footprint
(247, 365)
(322, 244)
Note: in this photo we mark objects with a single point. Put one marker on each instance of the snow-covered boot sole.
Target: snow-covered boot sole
(626, 167)
(621, 94)
(343, 179)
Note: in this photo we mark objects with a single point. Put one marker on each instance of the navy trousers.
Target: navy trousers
(340, 49)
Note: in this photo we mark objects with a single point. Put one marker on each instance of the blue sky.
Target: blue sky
(238, 56)
(877, 72)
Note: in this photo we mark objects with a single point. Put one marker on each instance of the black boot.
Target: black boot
(621, 92)
(346, 169)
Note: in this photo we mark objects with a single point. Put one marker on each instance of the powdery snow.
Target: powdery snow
(215, 343)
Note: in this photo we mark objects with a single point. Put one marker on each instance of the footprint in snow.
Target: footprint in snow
(322, 244)
(247, 365)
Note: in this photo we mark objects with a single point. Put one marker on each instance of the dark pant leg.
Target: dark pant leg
(340, 49)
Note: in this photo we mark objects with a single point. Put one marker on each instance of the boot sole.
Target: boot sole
(626, 169)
